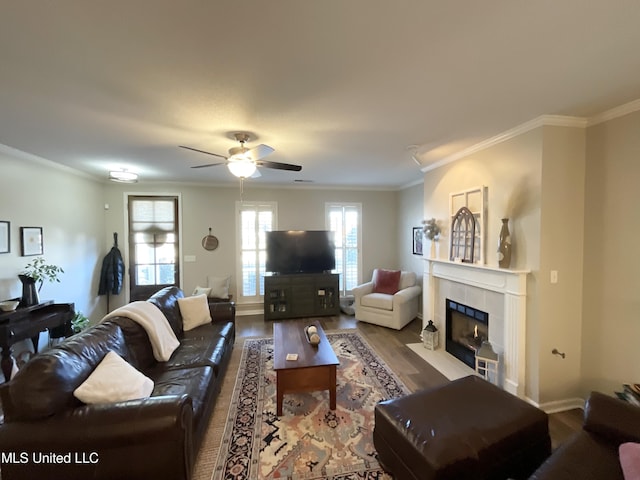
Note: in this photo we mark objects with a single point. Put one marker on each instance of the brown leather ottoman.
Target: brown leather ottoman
(466, 429)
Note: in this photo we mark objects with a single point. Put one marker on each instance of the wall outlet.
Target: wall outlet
(189, 258)
(554, 276)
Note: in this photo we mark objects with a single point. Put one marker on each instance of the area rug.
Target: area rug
(309, 441)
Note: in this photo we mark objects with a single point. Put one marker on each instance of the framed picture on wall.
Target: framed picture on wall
(5, 246)
(417, 240)
(31, 241)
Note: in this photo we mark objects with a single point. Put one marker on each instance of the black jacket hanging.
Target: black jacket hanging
(112, 273)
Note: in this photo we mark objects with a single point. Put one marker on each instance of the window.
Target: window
(153, 244)
(254, 219)
(467, 214)
(344, 220)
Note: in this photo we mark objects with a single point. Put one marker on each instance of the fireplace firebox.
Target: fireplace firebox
(467, 328)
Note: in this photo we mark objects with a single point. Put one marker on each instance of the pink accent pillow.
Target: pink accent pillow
(386, 281)
(630, 460)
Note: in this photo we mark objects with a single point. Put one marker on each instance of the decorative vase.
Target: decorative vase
(29, 291)
(504, 245)
(433, 253)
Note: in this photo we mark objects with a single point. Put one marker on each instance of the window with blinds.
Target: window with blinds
(254, 219)
(153, 244)
(344, 219)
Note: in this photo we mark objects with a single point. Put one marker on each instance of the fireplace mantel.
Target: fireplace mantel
(511, 285)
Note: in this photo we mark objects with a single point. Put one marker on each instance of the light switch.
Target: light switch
(554, 276)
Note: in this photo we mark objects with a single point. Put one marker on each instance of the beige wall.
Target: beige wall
(536, 179)
(298, 208)
(561, 249)
(512, 172)
(69, 208)
(611, 300)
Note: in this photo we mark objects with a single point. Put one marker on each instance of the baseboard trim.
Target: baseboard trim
(558, 405)
(250, 311)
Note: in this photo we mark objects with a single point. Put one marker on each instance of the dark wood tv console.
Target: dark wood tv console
(301, 295)
(28, 322)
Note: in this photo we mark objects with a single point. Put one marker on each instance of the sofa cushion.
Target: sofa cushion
(386, 281)
(167, 301)
(407, 279)
(197, 382)
(201, 291)
(583, 456)
(630, 460)
(205, 345)
(113, 380)
(195, 311)
(378, 300)
(45, 385)
(219, 286)
(138, 344)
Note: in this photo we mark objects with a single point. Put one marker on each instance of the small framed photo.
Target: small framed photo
(417, 240)
(31, 241)
(5, 230)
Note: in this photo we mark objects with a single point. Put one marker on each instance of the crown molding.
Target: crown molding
(21, 155)
(616, 112)
(541, 121)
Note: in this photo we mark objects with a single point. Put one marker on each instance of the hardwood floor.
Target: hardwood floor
(412, 370)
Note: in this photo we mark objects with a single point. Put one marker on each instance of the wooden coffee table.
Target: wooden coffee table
(315, 368)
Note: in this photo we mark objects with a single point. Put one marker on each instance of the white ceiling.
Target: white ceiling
(339, 87)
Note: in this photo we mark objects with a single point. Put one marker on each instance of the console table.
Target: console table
(301, 295)
(28, 322)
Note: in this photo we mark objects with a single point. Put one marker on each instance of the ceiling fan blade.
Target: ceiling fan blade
(278, 165)
(203, 151)
(261, 151)
(208, 165)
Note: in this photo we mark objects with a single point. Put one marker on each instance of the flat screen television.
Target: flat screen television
(300, 251)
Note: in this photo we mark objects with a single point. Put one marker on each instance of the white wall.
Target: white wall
(410, 215)
(69, 208)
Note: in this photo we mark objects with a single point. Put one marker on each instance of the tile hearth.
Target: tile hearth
(499, 292)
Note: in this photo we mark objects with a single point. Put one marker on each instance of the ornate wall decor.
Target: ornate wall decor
(463, 236)
(467, 240)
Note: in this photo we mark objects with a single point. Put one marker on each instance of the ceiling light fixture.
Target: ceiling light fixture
(123, 176)
(241, 168)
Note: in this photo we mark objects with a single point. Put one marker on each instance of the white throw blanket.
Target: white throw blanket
(163, 340)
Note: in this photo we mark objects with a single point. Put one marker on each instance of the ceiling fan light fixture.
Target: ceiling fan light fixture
(123, 176)
(241, 168)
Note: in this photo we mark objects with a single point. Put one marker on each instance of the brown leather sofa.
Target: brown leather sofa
(47, 433)
(592, 453)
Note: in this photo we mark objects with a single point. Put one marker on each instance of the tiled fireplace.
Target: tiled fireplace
(497, 293)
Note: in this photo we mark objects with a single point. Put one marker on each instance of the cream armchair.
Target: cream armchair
(392, 311)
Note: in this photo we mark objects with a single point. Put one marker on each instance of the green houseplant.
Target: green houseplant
(36, 272)
(79, 322)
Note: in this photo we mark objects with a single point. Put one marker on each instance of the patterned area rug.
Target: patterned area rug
(309, 441)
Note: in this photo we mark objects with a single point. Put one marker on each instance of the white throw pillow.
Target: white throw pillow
(219, 286)
(195, 311)
(114, 380)
(202, 291)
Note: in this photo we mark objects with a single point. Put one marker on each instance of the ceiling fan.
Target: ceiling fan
(242, 161)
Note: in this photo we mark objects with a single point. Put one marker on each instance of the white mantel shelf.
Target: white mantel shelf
(511, 284)
(500, 280)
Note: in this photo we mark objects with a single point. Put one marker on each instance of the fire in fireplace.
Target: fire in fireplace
(467, 328)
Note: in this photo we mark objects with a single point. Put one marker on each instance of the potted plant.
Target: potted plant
(37, 271)
(79, 322)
